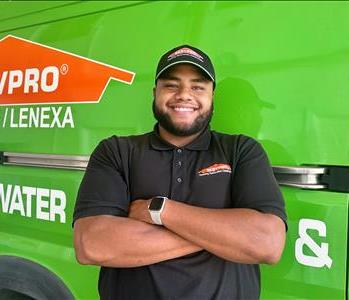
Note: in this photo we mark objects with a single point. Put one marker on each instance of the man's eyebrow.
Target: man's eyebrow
(171, 77)
(201, 79)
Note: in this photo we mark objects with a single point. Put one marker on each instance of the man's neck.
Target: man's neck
(176, 140)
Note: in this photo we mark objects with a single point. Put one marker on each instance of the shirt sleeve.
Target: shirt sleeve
(254, 185)
(103, 190)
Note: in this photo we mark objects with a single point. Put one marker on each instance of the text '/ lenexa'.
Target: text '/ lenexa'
(38, 117)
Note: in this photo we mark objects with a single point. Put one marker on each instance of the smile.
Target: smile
(184, 109)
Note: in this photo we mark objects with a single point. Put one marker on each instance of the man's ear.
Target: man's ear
(154, 91)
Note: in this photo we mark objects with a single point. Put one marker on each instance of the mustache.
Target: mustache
(164, 119)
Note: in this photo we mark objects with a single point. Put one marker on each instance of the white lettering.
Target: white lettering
(31, 79)
(34, 117)
(15, 80)
(23, 116)
(57, 208)
(44, 117)
(50, 204)
(56, 117)
(5, 198)
(12, 123)
(45, 86)
(5, 117)
(41, 204)
(30, 192)
(40, 117)
(68, 118)
(17, 201)
(2, 81)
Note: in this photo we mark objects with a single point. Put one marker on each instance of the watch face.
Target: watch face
(156, 203)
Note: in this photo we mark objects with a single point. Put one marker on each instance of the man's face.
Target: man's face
(183, 100)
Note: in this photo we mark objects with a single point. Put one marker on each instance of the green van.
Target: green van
(75, 72)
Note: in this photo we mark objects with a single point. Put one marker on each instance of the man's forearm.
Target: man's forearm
(239, 235)
(124, 242)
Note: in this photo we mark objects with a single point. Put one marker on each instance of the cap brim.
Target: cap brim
(184, 62)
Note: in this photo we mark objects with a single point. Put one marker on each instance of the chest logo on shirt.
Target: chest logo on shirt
(215, 169)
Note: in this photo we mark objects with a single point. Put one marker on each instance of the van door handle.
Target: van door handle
(310, 177)
(70, 162)
(314, 177)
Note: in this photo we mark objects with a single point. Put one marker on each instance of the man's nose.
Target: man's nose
(184, 93)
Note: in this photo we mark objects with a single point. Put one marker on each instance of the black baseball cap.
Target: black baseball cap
(186, 54)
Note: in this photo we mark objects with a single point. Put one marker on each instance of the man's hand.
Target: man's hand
(139, 211)
(239, 235)
(236, 234)
(124, 242)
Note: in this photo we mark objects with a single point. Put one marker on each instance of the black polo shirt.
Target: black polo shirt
(214, 171)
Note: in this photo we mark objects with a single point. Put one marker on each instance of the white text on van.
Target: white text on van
(40, 203)
(30, 80)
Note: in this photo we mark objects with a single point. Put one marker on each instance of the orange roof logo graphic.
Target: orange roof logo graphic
(32, 73)
(214, 169)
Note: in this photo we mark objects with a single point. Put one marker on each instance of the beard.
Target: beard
(198, 124)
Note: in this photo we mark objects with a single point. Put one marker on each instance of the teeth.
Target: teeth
(183, 109)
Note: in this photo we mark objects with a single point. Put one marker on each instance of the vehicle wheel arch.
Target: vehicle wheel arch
(31, 279)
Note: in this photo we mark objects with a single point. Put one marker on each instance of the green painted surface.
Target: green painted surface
(282, 73)
(290, 278)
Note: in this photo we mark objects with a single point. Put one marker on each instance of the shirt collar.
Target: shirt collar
(202, 142)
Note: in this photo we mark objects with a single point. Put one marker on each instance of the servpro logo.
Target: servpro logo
(185, 51)
(215, 169)
(32, 73)
(30, 80)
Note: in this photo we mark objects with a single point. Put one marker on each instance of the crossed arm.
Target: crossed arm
(239, 235)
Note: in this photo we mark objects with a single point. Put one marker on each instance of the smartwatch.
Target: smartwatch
(156, 206)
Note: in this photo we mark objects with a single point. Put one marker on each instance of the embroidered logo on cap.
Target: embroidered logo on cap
(215, 169)
(185, 51)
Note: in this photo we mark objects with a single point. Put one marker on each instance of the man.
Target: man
(182, 212)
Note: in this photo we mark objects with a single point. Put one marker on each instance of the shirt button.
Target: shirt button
(179, 180)
(179, 150)
(179, 163)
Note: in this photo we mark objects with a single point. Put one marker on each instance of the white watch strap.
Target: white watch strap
(155, 216)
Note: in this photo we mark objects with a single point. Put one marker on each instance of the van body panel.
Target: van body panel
(282, 78)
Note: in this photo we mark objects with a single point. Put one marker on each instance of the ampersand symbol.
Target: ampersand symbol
(321, 257)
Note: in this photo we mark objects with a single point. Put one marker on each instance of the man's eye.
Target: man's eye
(171, 85)
(198, 88)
